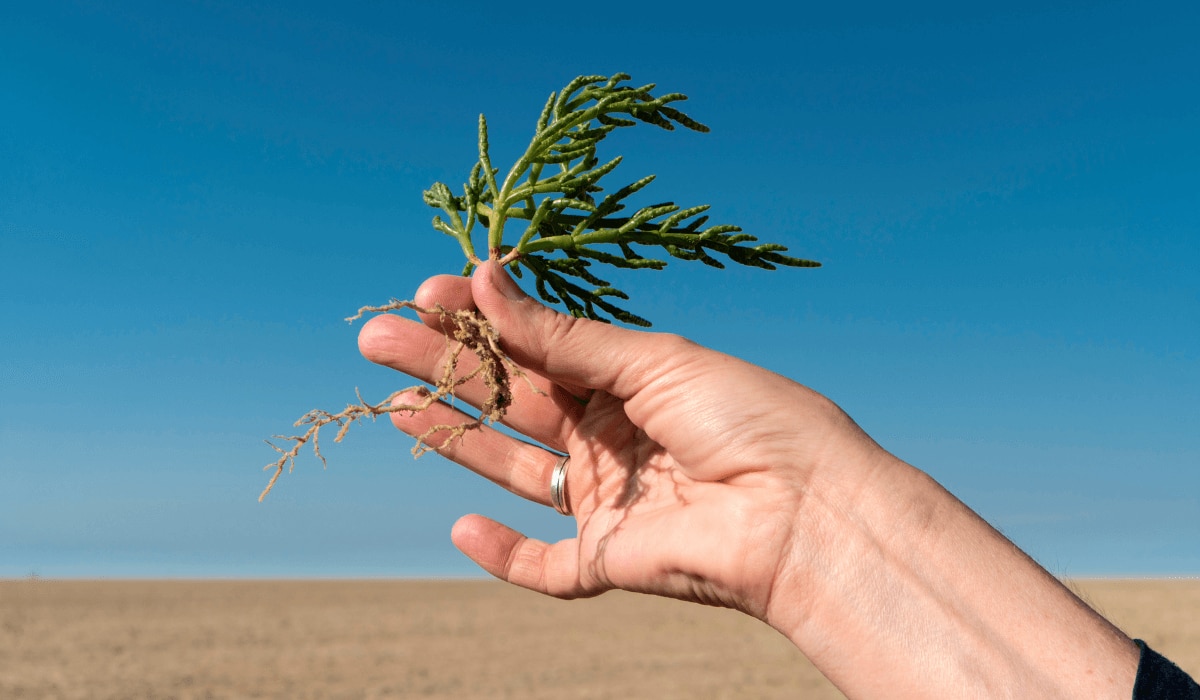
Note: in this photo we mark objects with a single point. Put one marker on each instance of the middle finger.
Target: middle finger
(540, 409)
(520, 467)
(453, 293)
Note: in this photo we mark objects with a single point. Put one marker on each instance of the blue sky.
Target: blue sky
(193, 195)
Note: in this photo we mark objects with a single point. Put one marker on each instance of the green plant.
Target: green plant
(567, 227)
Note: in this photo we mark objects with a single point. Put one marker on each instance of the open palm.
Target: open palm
(688, 467)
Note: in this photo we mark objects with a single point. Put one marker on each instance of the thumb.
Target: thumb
(566, 349)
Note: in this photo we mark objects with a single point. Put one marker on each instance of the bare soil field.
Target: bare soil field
(436, 639)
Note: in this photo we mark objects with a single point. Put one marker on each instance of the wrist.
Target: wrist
(890, 572)
(853, 512)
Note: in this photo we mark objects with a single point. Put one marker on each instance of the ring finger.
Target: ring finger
(517, 466)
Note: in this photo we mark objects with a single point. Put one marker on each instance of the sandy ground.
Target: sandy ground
(461, 639)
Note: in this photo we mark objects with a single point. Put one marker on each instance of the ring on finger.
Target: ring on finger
(558, 485)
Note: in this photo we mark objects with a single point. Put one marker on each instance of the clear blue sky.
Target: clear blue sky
(193, 195)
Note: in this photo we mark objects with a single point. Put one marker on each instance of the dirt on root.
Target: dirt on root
(465, 330)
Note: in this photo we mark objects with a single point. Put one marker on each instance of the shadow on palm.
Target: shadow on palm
(644, 524)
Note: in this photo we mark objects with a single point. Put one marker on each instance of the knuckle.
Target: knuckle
(560, 331)
(675, 344)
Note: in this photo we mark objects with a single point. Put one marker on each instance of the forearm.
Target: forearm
(905, 592)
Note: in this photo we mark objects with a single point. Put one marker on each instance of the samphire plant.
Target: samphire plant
(549, 217)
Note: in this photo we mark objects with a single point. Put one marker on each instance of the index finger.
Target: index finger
(451, 292)
(540, 409)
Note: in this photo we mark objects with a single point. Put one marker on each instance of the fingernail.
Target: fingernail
(505, 284)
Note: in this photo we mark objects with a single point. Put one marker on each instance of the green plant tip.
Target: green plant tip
(566, 219)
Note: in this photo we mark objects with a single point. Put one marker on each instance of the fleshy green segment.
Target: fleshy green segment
(567, 216)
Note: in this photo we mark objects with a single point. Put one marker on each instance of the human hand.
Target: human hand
(698, 476)
(689, 468)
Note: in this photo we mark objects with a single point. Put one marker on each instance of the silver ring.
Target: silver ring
(558, 486)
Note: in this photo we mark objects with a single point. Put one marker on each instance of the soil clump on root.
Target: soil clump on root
(465, 330)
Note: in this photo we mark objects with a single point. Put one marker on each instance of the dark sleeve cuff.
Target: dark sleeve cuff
(1159, 679)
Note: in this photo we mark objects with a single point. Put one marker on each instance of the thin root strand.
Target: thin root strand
(468, 330)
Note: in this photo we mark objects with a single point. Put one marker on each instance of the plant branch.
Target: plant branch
(566, 222)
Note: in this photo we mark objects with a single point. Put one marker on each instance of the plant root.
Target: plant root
(468, 330)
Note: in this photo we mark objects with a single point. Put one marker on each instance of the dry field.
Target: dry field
(435, 639)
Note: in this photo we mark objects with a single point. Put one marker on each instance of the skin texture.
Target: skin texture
(697, 476)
